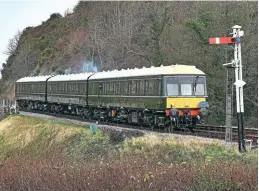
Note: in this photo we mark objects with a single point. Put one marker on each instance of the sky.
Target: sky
(18, 14)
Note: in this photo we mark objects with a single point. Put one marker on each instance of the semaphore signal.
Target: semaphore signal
(239, 83)
(224, 40)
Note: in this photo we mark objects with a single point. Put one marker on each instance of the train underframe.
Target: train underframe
(144, 117)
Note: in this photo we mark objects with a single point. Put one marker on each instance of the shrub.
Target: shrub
(54, 16)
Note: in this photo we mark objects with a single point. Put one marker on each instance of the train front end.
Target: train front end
(186, 104)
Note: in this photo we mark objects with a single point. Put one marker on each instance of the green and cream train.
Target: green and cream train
(161, 97)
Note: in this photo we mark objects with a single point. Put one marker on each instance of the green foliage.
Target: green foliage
(201, 26)
(45, 41)
(47, 52)
(37, 70)
(44, 141)
(158, 24)
(171, 150)
(86, 145)
(54, 16)
(46, 56)
(84, 20)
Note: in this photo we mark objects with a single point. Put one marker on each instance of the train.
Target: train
(169, 97)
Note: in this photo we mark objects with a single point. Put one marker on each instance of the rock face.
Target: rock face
(115, 35)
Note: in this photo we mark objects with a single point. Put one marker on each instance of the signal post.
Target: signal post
(239, 83)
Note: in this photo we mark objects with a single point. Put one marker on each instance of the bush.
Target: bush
(54, 16)
(86, 145)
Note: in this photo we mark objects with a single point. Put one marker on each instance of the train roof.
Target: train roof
(70, 77)
(34, 79)
(152, 71)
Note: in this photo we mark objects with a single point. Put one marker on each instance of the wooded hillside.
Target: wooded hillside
(115, 35)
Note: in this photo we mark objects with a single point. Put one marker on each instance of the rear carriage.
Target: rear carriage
(31, 91)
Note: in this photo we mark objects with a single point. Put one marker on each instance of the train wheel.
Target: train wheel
(152, 126)
(171, 127)
(168, 128)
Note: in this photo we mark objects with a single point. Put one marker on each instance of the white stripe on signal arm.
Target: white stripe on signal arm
(217, 40)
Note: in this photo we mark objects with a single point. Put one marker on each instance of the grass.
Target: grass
(36, 154)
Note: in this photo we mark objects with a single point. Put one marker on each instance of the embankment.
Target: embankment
(38, 154)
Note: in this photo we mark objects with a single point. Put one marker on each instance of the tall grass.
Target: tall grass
(63, 157)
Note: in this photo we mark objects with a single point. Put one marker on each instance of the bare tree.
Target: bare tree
(13, 44)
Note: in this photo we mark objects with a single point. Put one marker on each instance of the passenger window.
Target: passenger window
(62, 87)
(92, 88)
(81, 89)
(122, 87)
(148, 87)
(199, 89)
(199, 85)
(151, 87)
(57, 88)
(111, 88)
(186, 89)
(69, 88)
(117, 87)
(137, 87)
(103, 88)
(107, 88)
(76, 87)
(172, 87)
(186, 85)
(125, 87)
(133, 87)
(129, 87)
(141, 87)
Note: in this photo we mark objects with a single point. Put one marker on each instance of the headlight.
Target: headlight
(204, 111)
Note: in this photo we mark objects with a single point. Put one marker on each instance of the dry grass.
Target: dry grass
(133, 173)
(74, 159)
(20, 131)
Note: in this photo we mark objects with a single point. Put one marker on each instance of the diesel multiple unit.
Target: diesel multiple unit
(166, 97)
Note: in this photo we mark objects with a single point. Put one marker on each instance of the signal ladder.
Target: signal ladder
(229, 102)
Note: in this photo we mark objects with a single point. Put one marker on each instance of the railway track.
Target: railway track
(219, 132)
(208, 131)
